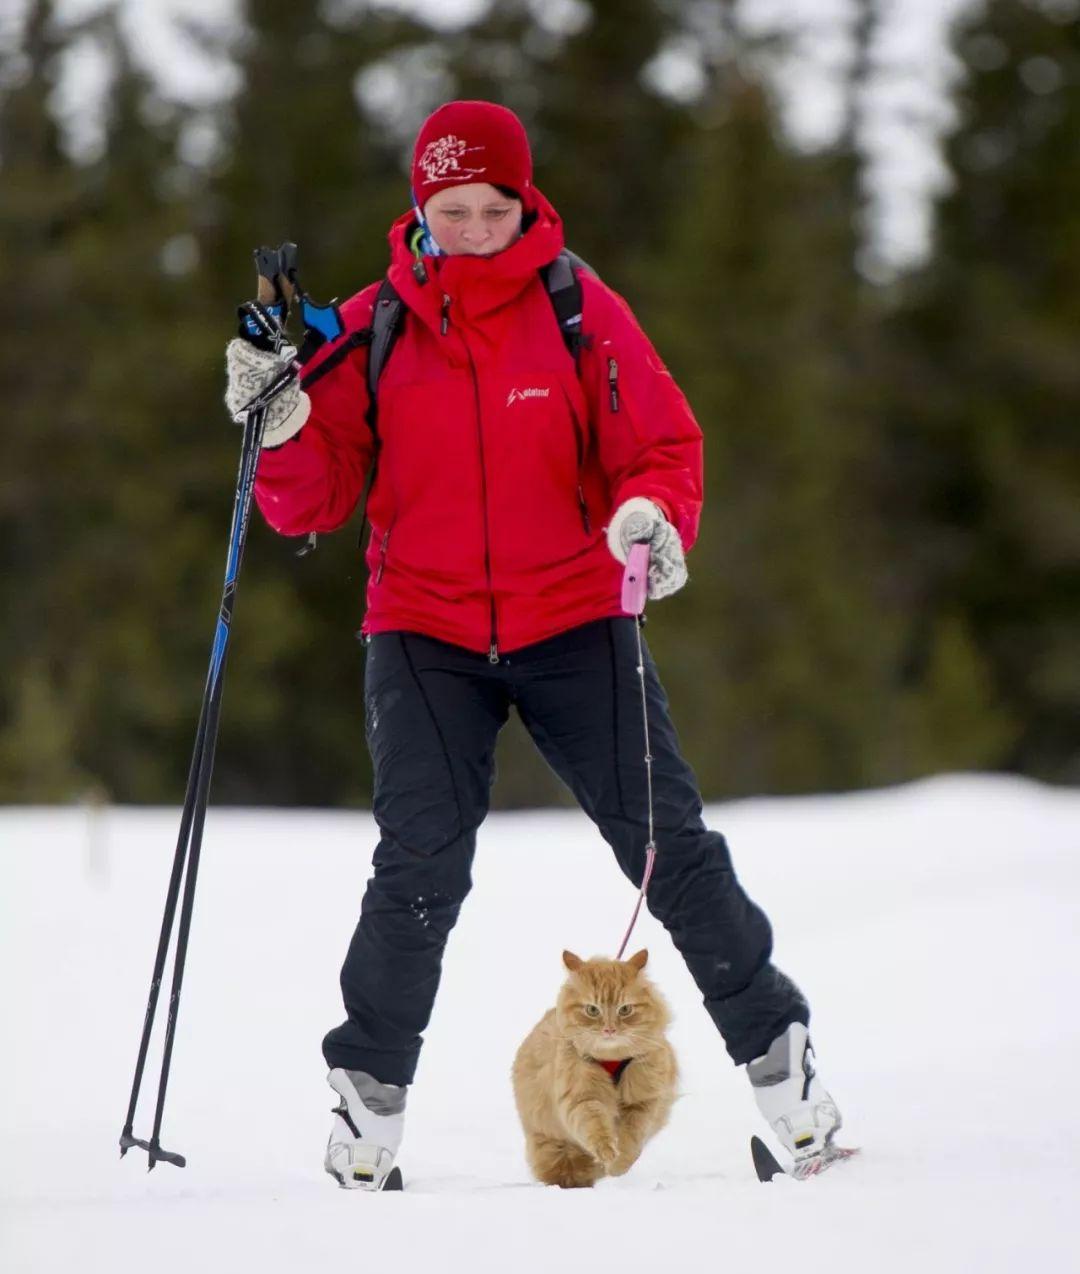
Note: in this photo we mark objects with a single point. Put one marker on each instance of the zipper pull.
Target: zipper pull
(613, 383)
(585, 522)
(445, 313)
(493, 654)
(382, 555)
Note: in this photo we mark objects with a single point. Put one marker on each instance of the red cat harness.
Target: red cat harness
(614, 1069)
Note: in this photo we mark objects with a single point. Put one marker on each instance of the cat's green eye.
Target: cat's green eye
(625, 1010)
(592, 1010)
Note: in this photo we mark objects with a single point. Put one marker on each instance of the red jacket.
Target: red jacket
(500, 462)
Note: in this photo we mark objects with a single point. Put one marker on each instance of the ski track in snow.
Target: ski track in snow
(934, 928)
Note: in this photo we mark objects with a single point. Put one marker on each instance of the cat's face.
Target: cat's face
(608, 1008)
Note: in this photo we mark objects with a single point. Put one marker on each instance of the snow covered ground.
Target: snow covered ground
(936, 929)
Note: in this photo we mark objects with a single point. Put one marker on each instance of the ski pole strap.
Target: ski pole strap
(262, 323)
(255, 331)
(322, 323)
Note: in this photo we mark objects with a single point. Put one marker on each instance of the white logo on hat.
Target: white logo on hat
(519, 395)
(440, 160)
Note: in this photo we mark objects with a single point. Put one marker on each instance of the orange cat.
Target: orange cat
(595, 1078)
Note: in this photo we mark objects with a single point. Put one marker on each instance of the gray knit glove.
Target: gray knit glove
(249, 370)
(639, 521)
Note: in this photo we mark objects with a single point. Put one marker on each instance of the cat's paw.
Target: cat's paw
(622, 1164)
(605, 1149)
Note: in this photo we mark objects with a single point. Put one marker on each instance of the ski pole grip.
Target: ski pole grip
(289, 280)
(636, 580)
(268, 267)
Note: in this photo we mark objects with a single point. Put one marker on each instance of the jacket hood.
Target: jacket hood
(476, 285)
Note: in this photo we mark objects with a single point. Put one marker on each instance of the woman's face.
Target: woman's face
(473, 220)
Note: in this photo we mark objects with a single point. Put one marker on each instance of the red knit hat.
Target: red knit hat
(465, 142)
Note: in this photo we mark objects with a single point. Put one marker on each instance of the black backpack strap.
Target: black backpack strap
(379, 336)
(386, 323)
(387, 319)
(561, 278)
(362, 336)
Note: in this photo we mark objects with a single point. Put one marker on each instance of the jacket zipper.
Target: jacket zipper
(493, 649)
(445, 324)
(585, 521)
(580, 449)
(613, 382)
(382, 553)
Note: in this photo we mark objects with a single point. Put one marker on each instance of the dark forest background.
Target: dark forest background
(888, 578)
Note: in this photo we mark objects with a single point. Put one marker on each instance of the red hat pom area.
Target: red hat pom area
(465, 142)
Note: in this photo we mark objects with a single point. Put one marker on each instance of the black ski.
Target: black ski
(767, 1166)
(765, 1162)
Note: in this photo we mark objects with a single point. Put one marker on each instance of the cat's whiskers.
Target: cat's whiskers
(613, 1045)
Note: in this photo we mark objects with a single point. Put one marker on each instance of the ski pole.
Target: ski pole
(634, 592)
(189, 840)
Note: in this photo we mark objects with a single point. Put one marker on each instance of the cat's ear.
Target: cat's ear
(572, 962)
(639, 961)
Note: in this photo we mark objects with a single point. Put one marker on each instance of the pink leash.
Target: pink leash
(634, 591)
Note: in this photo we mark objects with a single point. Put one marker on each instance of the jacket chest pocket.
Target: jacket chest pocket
(529, 429)
(579, 425)
(537, 443)
(428, 440)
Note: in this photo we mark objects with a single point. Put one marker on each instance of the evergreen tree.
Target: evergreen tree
(987, 472)
(779, 652)
(888, 576)
(100, 622)
(41, 200)
(300, 162)
(604, 141)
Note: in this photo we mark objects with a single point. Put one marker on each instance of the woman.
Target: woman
(511, 482)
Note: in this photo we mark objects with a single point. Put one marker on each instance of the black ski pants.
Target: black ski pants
(433, 712)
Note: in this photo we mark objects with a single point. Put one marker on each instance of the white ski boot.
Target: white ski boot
(793, 1099)
(366, 1133)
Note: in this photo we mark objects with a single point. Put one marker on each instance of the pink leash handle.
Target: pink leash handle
(635, 586)
(635, 580)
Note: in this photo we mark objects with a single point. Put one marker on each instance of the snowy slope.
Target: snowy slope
(934, 927)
